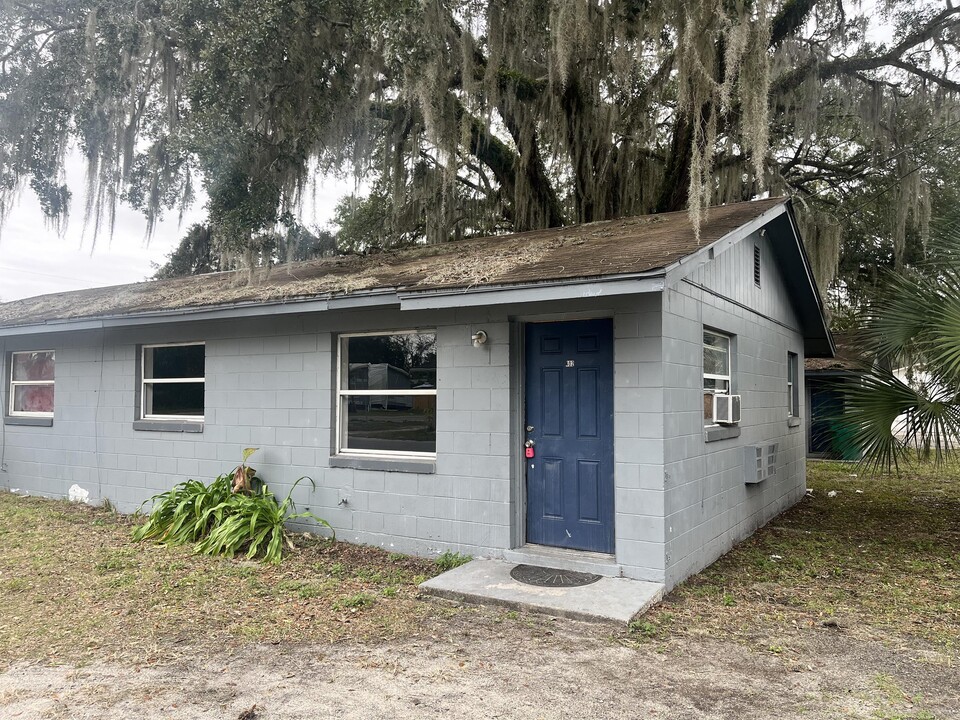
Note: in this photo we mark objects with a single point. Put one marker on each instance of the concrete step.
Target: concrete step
(488, 582)
(578, 560)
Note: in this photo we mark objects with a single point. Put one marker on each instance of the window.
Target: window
(31, 384)
(793, 387)
(172, 382)
(716, 370)
(387, 394)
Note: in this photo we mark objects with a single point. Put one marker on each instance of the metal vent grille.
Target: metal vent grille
(756, 265)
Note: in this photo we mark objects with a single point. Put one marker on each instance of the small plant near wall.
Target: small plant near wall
(235, 513)
(449, 560)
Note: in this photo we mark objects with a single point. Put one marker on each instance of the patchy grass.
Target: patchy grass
(884, 561)
(881, 556)
(75, 587)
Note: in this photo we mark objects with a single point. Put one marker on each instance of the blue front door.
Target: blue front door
(569, 421)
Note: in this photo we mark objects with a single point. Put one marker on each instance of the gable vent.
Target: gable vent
(756, 265)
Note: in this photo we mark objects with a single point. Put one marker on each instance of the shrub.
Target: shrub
(236, 512)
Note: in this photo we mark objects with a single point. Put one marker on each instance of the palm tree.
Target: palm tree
(913, 326)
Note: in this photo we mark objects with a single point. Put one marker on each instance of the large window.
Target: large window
(387, 394)
(172, 382)
(31, 383)
(716, 370)
(793, 387)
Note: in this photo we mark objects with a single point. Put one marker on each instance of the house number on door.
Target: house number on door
(571, 363)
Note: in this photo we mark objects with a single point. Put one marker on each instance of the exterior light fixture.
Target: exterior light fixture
(479, 338)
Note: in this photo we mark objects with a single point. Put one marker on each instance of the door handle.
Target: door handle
(529, 428)
(529, 443)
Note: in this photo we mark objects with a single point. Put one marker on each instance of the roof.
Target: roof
(612, 247)
(848, 358)
(627, 255)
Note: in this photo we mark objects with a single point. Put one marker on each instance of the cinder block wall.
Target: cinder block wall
(638, 445)
(269, 384)
(709, 508)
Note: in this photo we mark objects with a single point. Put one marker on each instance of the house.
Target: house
(620, 396)
(825, 379)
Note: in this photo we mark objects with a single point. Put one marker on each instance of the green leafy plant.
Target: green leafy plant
(255, 522)
(235, 513)
(449, 560)
(184, 514)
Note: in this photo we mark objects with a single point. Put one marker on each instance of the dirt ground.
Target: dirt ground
(491, 664)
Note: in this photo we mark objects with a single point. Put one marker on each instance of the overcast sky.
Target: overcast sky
(35, 260)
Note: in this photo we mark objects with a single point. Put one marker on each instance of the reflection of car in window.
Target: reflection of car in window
(388, 394)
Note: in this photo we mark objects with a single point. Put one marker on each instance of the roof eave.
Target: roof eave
(430, 299)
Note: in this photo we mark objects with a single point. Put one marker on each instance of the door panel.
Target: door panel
(569, 406)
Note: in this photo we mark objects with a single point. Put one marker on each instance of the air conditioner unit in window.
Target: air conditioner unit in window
(726, 409)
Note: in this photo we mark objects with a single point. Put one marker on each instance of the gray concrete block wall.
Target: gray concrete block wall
(708, 506)
(638, 443)
(270, 385)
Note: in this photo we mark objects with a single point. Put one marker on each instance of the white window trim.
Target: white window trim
(19, 383)
(728, 378)
(342, 393)
(144, 381)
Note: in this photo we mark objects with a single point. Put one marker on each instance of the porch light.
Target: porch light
(479, 338)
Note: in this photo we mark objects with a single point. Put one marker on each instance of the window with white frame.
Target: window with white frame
(387, 394)
(32, 383)
(172, 381)
(716, 370)
(793, 387)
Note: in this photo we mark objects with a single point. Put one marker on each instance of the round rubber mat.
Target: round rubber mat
(551, 577)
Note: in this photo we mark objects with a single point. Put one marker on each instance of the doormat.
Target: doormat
(551, 577)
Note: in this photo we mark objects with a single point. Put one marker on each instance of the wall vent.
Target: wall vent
(756, 265)
(759, 462)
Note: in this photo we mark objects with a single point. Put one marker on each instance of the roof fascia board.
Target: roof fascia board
(61, 326)
(569, 290)
(426, 300)
(686, 265)
(166, 316)
(811, 280)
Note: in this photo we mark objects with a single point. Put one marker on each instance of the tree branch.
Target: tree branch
(859, 64)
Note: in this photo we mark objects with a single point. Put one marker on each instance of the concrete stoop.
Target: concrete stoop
(488, 582)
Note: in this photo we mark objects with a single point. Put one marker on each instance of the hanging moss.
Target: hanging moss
(470, 117)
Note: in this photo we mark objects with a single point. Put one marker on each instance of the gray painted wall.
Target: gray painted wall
(270, 385)
(709, 508)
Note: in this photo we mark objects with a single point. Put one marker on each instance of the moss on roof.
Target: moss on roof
(593, 250)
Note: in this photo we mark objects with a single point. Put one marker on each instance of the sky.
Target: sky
(35, 259)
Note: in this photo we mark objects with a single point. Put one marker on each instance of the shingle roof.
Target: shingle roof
(848, 357)
(594, 250)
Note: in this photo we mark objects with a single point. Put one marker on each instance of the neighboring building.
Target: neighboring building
(825, 381)
(546, 397)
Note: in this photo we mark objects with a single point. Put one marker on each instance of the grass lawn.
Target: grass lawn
(882, 556)
(874, 555)
(75, 587)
